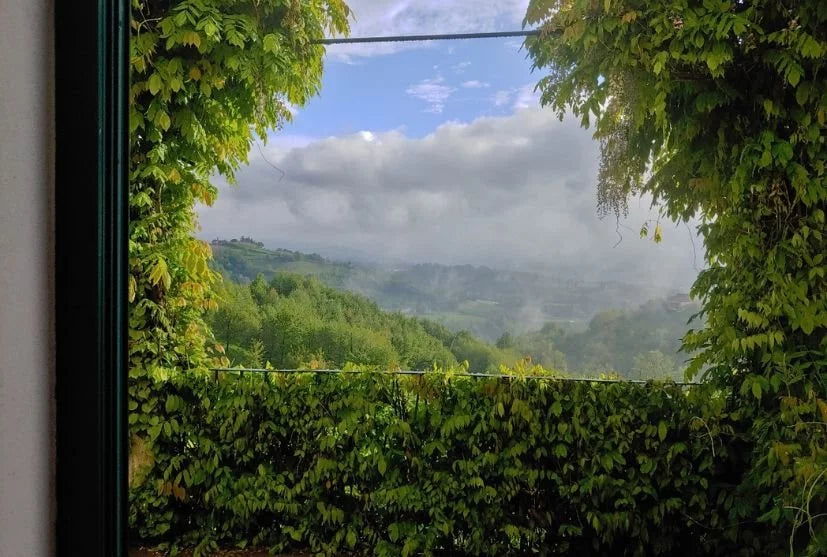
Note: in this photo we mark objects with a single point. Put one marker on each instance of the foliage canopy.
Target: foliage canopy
(302, 323)
(206, 77)
(717, 108)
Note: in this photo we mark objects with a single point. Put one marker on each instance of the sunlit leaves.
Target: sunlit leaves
(352, 463)
(270, 42)
(160, 274)
(658, 234)
(202, 84)
(180, 137)
(131, 286)
(718, 111)
(154, 83)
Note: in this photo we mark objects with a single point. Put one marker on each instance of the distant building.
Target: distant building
(243, 240)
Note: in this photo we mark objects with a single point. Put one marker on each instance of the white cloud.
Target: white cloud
(277, 145)
(348, 59)
(474, 84)
(516, 191)
(526, 97)
(501, 98)
(461, 67)
(432, 91)
(519, 97)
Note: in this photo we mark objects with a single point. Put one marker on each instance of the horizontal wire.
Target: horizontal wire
(466, 374)
(442, 37)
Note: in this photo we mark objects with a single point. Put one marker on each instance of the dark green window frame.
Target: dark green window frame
(91, 187)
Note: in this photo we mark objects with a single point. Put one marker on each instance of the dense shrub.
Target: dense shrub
(400, 465)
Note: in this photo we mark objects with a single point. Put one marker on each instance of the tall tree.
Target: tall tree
(717, 109)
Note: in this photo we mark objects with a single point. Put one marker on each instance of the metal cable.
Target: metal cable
(423, 372)
(438, 37)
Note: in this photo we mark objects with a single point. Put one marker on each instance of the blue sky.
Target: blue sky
(416, 90)
(440, 152)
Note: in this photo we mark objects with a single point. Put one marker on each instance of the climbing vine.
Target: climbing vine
(717, 109)
(207, 77)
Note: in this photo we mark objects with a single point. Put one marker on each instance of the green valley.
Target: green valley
(479, 299)
(302, 310)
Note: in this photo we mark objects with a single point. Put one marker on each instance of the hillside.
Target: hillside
(637, 344)
(305, 310)
(296, 321)
(484, 301)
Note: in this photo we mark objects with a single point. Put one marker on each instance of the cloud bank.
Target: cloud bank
(515, 191)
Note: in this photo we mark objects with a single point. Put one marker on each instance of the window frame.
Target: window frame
(91, 231)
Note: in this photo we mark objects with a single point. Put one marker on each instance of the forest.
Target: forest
(482, 300)
(296, 321)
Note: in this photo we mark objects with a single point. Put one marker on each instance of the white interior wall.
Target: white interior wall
(26, 279)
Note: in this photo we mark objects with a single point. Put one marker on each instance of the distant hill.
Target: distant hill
(479, 299)
(637, 344)
(295, 321)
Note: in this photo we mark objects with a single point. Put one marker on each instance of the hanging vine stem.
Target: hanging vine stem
(708, 432)
(416, 404)
(261, 151)
(145, 20)
(803, 514)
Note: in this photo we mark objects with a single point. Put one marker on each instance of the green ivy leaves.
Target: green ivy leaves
(204, 80)
(718, 110)
(390, 465)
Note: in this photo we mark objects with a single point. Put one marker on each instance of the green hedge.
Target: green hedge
(399, 465)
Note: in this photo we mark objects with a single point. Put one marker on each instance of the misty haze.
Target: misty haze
(427, 179)
(509, 192)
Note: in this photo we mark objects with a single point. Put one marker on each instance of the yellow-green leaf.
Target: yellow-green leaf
(160, 273)
(154, 83)
(658, 236)
(756, 389)
(163, 120)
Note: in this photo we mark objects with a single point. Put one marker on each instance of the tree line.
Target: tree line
(295, 321)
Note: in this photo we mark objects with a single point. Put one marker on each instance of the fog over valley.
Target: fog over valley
(427, 179)
(510, 192)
